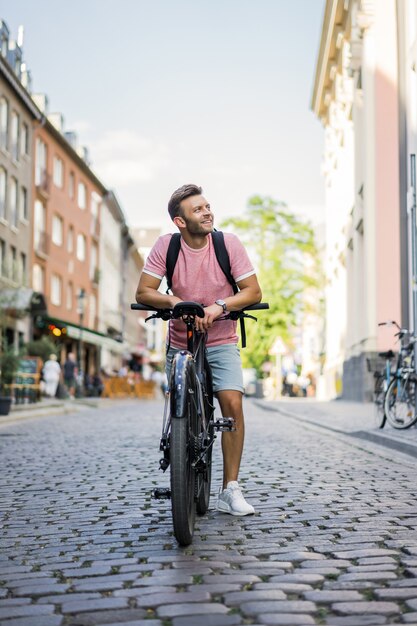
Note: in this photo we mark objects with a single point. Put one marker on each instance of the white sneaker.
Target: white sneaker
(231, 501)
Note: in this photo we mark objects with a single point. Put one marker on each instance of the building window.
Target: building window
(13, 202)
(82, 196)
(39, 223)
(57, 230)
(3, 192)
(2, 257)
(92, 311)
(14, 148)
(38, 278)
(95, 202)
(13, 261)
(23, 268)
(40, 163)
(71, 186)
(56, 290)
(70, 240)
(70, 291)
(24, 139)
(81, 247)
(4, 123)
(58, 172)
(24, 204)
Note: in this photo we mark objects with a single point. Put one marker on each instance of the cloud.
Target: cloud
(123, 158)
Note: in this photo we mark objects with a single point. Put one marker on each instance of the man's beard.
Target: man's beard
(195, 228)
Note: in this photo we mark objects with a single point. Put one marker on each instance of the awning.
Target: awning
(96, 339)
(89, 336)
(23, 300)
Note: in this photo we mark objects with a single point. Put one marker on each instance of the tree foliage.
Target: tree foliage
(285, 254)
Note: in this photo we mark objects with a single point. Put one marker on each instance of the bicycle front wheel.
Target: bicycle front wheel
(183, 446)
(379, 401)
(400, 403)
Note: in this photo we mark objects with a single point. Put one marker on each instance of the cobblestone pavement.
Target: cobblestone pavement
(333, 542)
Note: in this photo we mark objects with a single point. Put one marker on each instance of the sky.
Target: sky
(167, 92)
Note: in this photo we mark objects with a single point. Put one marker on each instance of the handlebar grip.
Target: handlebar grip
(257, 307)
(135, 306)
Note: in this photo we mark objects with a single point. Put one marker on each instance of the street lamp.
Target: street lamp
(80, 310)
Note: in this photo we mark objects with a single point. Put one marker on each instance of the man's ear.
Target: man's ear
(179, 221)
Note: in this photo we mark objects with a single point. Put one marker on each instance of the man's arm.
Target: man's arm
(250, 293)
(147, 293)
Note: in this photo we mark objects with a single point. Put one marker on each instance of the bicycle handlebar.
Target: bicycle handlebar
(146, 307)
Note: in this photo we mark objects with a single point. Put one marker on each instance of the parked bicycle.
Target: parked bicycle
(400, 397)
(381, 367)
(189, 425)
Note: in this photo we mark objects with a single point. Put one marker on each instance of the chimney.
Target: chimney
(26, 78)
(4, 39)
(72, 138)
(57, 120)
(14, 57)
(82, 151)
(20, 35)
(41, 101)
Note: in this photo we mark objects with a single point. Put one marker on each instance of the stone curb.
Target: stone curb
(375, 437)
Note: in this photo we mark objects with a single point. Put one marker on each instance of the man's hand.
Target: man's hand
(212, 312)
(173, 300)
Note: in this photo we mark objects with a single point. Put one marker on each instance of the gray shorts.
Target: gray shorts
(225, 363)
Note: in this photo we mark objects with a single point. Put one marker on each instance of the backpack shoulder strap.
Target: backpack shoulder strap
(223, 260)
(172, 256)
(222, 257)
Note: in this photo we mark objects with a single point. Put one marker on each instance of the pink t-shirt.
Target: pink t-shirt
(199, 278)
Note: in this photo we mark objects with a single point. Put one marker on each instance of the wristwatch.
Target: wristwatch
(223, 304)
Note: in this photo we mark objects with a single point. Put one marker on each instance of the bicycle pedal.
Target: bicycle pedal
(161, 493)
(225, 424)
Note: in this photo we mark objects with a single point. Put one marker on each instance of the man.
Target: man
(70, 372)
(198, 277)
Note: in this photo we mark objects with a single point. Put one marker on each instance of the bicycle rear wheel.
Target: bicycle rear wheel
(379, 401)
(183, 438)
(400, 403)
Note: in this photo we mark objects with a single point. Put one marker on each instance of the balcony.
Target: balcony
(43, 183)
(41, 244)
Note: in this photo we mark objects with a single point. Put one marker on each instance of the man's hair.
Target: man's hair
(181, 194)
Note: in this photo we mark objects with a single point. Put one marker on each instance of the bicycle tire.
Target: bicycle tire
(400, 403)
(379, 401)
(204, 478)
(184, 432)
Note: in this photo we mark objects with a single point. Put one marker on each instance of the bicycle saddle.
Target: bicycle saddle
(187, 308)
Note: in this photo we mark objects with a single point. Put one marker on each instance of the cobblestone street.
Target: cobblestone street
(334, 540)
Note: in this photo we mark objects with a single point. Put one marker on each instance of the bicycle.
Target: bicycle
(399, 403)
(383, 375)
(189, 425)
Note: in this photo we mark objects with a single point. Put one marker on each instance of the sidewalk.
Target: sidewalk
(45, 407)
(355, 419)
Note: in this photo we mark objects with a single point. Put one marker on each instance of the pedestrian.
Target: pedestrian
(198, 277)
(70, 374)
(51, 373)
(160, 380)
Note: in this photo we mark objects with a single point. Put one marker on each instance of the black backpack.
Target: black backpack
(223, 260)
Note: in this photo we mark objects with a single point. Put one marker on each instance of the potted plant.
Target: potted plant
(9, 363)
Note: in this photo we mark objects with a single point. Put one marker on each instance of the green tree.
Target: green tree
(286, 256)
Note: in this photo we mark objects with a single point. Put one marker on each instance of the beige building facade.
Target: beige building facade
(18, 115)
(356, 98)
